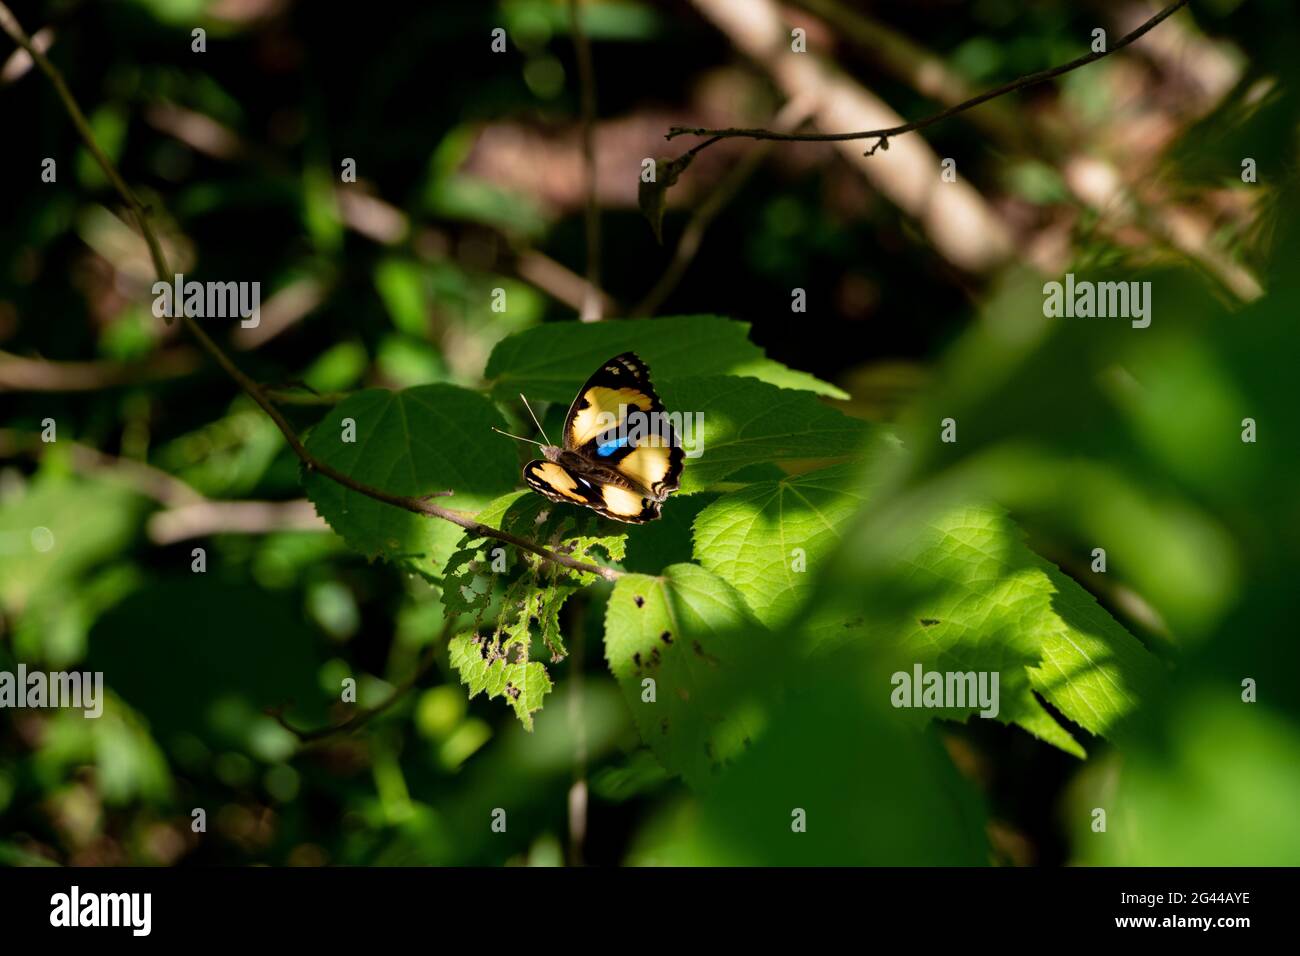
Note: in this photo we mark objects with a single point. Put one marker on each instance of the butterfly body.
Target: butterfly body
(620, 456)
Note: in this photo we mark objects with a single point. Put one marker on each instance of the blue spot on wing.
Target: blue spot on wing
(605, 449)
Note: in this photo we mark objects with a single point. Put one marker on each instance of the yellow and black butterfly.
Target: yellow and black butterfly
(621, 456)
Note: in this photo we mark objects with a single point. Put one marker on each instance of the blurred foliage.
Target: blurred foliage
(826, 538)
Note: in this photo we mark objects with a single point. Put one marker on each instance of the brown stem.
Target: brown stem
(10, 25)
(791, 117)
(882, 136)
(42, 375)
(418, 505)
(362, 717)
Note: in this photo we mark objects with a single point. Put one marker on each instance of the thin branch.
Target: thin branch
(416, 504)
(364, 716)
(10, 25)
(46, 375)
(790, 117)
(587, 82)
(882, 136)
(913, 64)
(298, 392)
(285, 396)
(202, 519)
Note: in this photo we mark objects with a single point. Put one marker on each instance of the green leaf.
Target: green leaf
(870, 790)
(57, 538)
(494, 512)
(413, 442)
(962, 592)
(652, 196)
(401, 285)
(769, 539)
(550, 363)
(576, 532)
(58, 529)
(533, 591)
(747, 422)
(653, 546)
(227, 457)
(128, 763)
(1216, 784)
(486, 668)
(683, 630)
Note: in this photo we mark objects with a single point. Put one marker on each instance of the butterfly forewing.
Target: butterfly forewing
(620, 385)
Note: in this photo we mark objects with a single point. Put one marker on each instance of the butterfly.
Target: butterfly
(621, 457)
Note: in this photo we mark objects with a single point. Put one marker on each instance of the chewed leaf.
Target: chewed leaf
(486, 669)
(528, 594)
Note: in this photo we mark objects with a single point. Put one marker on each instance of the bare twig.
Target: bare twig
(882, 136)
(300, 393)
(963, 226)
(10, 25)
(364, 716)
(793, 115)
(417, 505)
(587, 81)
(43, 375)
(203, 518)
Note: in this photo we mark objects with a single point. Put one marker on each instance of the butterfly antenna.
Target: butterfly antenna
(535, 421)
(518, 437)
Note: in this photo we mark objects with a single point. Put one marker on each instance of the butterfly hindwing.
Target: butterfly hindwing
(655, 467)
(556, 482)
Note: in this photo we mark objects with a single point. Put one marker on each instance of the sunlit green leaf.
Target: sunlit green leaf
(551, 362)
(668, 641)
(414, 442)
(768, 539)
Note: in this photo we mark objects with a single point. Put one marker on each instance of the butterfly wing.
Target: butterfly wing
(644, 450)
(609, 498)
(655, 467)
(621, 383)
